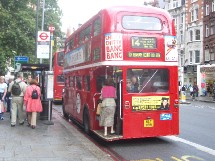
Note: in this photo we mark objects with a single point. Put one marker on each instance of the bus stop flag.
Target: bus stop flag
(43, 44)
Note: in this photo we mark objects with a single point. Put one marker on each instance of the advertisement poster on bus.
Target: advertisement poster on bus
(150, 103)
(171, 53)
(113, 46)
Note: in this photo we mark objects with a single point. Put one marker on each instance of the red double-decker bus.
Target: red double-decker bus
(126, 43)
(58, 59)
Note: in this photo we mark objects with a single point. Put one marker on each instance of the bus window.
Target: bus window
(87, 83)
(100, 80)
(79, 82)
(67, 47)
(87, 32)
(60, 78)
(85, 35)
(60, 57)
(147, 80)
(71, 44)
(141, 23)
(81, 37)
(97, 27)
(71, 81)
(66, 82)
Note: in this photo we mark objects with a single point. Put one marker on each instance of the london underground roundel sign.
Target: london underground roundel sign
(43, 36)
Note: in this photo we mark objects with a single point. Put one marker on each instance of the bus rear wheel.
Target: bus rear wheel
(86, 121)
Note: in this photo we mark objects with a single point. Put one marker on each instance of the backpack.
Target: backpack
(16, 89)
(34, 94)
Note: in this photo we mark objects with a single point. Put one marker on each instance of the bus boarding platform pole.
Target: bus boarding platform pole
(49, 121)
(49, 83)
(49, 95)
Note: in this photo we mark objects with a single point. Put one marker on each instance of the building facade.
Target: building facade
(195, 26)
(207, 68)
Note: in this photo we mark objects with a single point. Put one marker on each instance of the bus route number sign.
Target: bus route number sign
(144, 42)
(149, 123)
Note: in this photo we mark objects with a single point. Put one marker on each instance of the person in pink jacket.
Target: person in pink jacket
(32, 105)
(108, 96)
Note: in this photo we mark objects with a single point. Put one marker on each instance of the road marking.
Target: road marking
(198, 146)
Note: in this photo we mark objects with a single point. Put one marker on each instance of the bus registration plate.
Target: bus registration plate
(149, 123)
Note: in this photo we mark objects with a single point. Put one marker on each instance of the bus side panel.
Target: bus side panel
(174, 96)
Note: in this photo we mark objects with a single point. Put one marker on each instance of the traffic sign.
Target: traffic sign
(43, 36)
(51, 28)
(21, 59)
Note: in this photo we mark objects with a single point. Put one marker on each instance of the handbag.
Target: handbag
(98, 109)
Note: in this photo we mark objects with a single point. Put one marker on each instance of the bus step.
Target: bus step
(109, 137)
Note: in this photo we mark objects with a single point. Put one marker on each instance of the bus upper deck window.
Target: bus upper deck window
(141, 23)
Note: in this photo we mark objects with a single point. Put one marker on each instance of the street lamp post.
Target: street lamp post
(37, 9)
(43, 13)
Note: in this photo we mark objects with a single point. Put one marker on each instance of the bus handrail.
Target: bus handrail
(94, 102)
(120, 99)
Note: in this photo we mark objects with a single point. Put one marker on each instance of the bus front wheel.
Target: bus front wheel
(86, 121)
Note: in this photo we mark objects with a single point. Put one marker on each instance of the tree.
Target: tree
(18, 27)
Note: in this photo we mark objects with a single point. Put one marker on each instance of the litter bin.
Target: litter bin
(183, 96)
(44, 115)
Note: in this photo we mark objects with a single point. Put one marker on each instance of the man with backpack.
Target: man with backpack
(17, 89)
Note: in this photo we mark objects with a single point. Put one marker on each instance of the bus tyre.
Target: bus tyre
(66, 116)
(86, 121)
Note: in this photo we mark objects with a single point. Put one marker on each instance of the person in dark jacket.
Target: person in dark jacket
(134, 84)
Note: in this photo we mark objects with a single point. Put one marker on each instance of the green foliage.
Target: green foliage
(18, 27)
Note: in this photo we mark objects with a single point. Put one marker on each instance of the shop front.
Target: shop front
(207, 79)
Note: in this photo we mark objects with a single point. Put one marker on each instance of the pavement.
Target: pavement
(59, 142)
(188, 99)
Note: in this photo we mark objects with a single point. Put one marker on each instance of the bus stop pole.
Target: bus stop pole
(49, 122)
(50, 69)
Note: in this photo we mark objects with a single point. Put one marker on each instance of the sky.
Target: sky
(79, 11)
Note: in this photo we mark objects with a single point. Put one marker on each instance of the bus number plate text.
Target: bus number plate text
(149, 123)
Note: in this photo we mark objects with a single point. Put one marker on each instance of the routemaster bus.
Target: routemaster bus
(128, 44)
(58, 59)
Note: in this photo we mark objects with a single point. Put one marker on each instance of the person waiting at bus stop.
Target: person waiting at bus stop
(3, 91)
(32, 105)
(17, 101)
(108, 96)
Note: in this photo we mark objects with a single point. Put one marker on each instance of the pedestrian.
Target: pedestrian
(32, 105)
(28, 83)
(195, 90)
(191, 92)
(17, 100)
(108, 96)
(29, 79)
(8, 95)
(3, 92)
(183, 88)
(214, 92)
